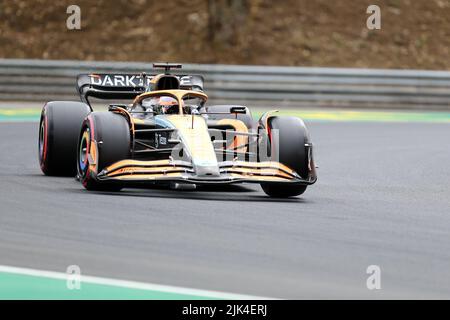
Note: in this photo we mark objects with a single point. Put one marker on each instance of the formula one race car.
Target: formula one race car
(169, 135)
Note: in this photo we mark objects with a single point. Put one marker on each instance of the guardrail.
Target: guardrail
(43, 80)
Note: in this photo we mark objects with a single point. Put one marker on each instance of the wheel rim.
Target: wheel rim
(42, 142)
(83, 152)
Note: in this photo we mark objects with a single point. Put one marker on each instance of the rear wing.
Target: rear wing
(125, 86)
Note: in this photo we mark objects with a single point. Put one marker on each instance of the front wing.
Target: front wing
(135, 171)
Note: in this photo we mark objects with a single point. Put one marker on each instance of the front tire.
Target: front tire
(59, 129)
(292, 152)
(104, 140)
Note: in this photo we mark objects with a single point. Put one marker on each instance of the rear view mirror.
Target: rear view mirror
(242, 110)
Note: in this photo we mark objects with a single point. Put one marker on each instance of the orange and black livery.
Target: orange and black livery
(169, 134)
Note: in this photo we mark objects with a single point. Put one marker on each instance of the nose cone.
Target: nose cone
(193, 131)
(206, 168)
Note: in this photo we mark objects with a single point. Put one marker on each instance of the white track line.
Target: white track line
(131, 284)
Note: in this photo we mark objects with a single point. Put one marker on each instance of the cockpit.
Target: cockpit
(168, 103)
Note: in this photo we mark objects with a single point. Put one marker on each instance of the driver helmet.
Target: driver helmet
(168, 105)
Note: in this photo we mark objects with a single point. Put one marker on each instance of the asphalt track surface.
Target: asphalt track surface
(383, 198)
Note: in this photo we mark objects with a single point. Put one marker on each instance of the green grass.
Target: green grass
(21, 115)
(26, 287)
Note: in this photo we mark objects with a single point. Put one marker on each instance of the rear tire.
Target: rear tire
(112, 134)
(59, 129)
(292, 152)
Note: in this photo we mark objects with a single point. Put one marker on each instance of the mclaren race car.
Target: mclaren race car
(169, 135)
